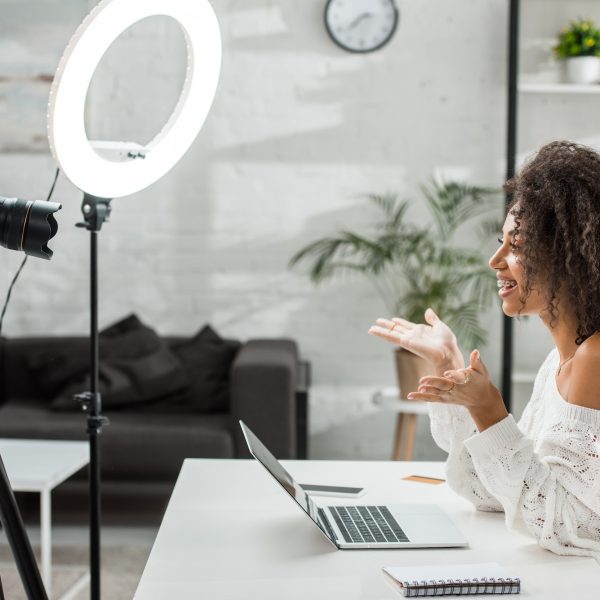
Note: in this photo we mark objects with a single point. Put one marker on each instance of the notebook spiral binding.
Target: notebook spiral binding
(461, 587)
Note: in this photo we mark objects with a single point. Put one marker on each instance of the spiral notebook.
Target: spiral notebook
(453, 580)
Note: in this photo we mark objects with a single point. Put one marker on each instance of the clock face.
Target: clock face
(361, 25)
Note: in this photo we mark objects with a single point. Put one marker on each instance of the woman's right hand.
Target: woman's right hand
(434, 342)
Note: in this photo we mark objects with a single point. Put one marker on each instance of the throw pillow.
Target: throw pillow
(136, 367)
(207, 359)
(54, 368)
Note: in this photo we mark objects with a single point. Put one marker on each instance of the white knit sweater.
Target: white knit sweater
(543, 472)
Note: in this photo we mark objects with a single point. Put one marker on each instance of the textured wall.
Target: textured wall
(298, 131)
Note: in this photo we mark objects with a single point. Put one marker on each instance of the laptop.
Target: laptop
(364, 526)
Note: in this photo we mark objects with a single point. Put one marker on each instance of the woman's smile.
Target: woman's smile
(510, 277)
(506, 286)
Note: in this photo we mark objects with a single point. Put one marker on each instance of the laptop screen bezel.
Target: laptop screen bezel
(312, 507)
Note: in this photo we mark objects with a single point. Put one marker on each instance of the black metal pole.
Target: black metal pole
(94, 412)
(95, 212)
(12, 523)
(511, 153)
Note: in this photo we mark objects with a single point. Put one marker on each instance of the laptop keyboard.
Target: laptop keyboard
(367, 524)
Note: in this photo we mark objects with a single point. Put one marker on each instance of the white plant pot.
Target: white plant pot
(583, 69)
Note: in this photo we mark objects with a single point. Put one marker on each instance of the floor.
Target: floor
(127, 537)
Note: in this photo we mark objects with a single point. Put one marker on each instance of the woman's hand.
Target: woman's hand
(434, 342)
(470, 387)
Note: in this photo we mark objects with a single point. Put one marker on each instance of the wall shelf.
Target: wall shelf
(558, 88)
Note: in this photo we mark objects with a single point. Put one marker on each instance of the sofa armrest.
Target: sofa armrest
(263, 384)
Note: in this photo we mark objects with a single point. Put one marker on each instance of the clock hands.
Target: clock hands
(361, 17)
(361, 25)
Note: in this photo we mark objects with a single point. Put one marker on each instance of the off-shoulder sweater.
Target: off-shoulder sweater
(543, 472)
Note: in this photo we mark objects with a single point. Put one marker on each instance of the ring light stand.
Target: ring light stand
(101, 179)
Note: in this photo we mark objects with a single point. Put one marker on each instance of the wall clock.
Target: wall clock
(361, 25)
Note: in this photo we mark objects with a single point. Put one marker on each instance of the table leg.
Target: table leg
(396, 452)
(411, 428)
(46, 539)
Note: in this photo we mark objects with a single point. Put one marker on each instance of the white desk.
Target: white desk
(39, 466)
(230, 532)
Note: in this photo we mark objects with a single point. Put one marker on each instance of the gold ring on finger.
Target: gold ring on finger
(467, 378)
(452, 388)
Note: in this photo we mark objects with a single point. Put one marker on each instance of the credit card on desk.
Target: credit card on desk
(424, 479)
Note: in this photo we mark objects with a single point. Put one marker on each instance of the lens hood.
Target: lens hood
(28, 225)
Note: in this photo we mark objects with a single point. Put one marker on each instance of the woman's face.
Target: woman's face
(509, 272)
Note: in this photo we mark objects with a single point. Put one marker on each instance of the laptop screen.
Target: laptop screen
(287, 482)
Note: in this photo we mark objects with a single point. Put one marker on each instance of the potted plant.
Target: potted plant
(579, 46)
(414, 267)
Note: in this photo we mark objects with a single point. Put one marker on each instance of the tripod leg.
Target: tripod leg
(18, 540)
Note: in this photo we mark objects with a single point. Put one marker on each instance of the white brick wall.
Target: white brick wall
(299, 130)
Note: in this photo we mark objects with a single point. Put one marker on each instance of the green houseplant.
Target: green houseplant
(579, 46)
(414, 267)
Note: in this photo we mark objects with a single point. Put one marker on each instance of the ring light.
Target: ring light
(69, 143)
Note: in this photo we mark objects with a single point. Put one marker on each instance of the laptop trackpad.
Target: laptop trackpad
(426, 523)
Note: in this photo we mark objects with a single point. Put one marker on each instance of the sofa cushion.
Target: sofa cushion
(207, 359)
(151, 447)
(136, 367)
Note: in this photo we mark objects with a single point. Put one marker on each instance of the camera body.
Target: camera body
(28, 225)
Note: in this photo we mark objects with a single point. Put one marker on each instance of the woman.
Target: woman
(545, 471)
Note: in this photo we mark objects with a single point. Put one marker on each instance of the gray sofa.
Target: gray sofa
(143, 447)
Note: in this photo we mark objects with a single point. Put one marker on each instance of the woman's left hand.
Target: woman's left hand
(470, 387)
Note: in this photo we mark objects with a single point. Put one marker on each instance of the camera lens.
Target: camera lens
(28, 225)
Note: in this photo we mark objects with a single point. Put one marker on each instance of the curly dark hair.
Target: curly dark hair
(556, 206)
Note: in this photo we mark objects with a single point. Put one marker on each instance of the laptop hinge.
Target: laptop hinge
(328, 530)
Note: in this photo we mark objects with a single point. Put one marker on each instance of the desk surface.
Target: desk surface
(230, 532)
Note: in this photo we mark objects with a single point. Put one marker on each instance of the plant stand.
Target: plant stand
(406, 421)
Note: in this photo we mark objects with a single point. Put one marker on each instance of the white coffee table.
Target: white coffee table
(39, 466)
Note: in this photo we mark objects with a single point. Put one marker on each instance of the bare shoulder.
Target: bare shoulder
(584, 388)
